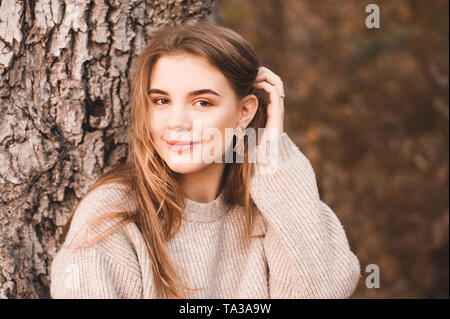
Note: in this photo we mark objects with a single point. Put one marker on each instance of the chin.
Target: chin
(186, 168)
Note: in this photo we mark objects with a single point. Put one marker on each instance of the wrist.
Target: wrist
(270, 133)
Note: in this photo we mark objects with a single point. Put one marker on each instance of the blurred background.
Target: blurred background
(370, 109)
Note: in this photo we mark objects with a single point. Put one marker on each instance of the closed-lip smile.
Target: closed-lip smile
(181, 146)
(172, 142)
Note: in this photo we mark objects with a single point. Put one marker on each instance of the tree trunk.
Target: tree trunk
(64, 99)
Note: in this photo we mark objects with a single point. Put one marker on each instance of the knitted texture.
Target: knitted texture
(304, 252)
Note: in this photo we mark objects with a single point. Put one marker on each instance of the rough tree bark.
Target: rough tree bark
(64, 97)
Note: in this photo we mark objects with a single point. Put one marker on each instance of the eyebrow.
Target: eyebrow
(196, 92)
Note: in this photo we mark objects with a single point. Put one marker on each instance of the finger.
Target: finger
(267, 73)
(278, 86)
(272, 78)
(272, 90)
(278, 90)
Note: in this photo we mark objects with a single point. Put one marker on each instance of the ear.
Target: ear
(247, 110)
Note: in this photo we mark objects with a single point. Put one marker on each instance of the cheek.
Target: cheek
(157, 122)
(153, 130)
(225, 117)
(156, 131)
(223, 124)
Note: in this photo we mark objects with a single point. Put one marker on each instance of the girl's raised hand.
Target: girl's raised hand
(272, 84)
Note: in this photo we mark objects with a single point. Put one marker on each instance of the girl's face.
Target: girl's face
(191, 101)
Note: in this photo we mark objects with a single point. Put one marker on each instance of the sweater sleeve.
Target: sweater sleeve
(108, 269)
(306, 247)
(90, 274)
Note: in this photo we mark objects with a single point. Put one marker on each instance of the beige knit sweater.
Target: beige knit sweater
(304, 253)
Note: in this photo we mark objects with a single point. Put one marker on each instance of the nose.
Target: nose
(179, 119)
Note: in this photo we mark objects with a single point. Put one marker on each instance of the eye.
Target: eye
(206, 103)
(155, 100)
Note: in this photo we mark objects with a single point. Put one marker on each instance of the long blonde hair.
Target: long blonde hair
(149, 181)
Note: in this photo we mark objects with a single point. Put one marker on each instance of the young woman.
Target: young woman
(167, 226)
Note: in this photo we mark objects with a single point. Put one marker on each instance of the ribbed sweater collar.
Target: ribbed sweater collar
(205, 212)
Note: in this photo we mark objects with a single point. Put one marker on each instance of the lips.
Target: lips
(181, 146)
(181, 142)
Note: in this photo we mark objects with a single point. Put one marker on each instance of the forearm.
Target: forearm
(309, 239)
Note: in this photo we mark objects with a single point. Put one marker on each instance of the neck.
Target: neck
(202, 186)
